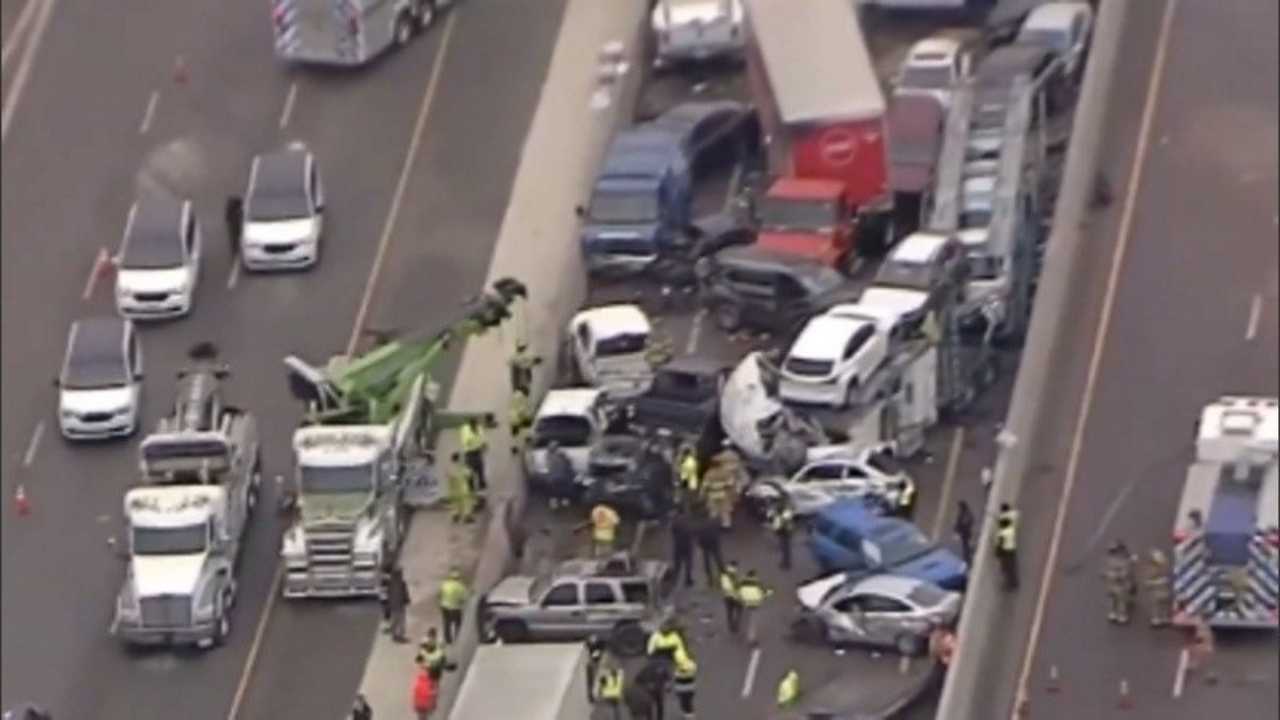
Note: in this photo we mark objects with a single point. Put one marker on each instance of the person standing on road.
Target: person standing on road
(431, 655)
(474, 446)
(595, 659)
(234, 217)
(460, 496)
(684, 683)
(782, 521)
(522, 363)
(395, 603)
(1159, 592)
(905, 506)
(360, 710)
(560, 476)
(788, 690)
(608, 690)
(520, 420)
(1121, 586)
(683, 530)
(730, 577)
(688, 472)
(708, 536)
(964, 529)
(1006, 546)
(604, 522)
(752, 594)
(453, 602)
(718, 485)
(666, 642)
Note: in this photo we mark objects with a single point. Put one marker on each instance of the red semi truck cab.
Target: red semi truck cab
(823, 113)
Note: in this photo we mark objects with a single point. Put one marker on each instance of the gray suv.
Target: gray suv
(619, 599)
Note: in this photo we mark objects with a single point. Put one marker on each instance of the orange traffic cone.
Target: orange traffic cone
(20, 503)
(1124, 702)
(180, 70)
(1054, 685)
(104, 264)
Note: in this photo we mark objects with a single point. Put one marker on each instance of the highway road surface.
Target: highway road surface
(1180, 305)
(102, 119)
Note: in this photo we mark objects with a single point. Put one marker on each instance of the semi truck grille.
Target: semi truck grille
(166, 611)
(330, 547)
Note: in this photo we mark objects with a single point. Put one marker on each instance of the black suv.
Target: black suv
(750, 288)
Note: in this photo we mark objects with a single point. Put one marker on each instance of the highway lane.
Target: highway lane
(438, 253)
(198, 143)
(1192, 317)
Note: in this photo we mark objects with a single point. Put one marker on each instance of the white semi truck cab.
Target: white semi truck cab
(185, 528)
(350, 514)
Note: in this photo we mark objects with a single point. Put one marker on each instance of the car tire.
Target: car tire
(404, 29)
(511, 631)
(627, 640)
(808, 631)
(909, 645)
(727, 317)
(223, 630)
(426, 15)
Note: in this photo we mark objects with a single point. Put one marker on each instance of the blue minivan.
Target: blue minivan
(640, 201)
(850, 535)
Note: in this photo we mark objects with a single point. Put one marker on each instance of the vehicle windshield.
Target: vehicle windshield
(925, 595)
(625, 344)
(915, 276)
(564, 430)
(623, 207)
(336, 480)
(152, 253)
(894, 545)
(984, 267)
(783, 214)
(809, 368)
(94, 371)
(912, 151)
(820, 281)
(277, 206)
(975, 218)
(1044, 36)
(183, 540)
(935, 77)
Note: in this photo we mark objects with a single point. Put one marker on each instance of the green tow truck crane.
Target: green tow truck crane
(370, 421)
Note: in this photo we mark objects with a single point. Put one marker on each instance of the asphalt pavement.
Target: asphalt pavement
(1193, 316)
(104, 117)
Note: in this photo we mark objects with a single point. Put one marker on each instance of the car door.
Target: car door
(844, 620)
(604, 607)
(560, 613)
(815, 486)
(882, 618)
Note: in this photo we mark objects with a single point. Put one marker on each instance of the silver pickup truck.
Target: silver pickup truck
(619, 599)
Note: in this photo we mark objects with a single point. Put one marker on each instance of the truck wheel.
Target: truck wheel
(628, 640)
(511, 631)
(404, 29)
(251, 498)
(727, 317)
(230, 594)
(224, 628)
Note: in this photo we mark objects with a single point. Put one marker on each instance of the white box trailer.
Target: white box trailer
(529, 682)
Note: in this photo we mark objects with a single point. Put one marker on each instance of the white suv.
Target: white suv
(835, 354)
(283, 212)
(159, 260)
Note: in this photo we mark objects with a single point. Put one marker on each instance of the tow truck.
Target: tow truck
(201, 474)
(364, 441)
(1226, 543)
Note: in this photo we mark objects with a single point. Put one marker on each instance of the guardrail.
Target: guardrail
(969, 680)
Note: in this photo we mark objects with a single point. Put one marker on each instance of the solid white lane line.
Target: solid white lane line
(94, 271)
(289, 99)
(234, 278)
(753, 666)
(1255, 315)
(33, 446)
(25, 63)
(14, 39)
(150, 113)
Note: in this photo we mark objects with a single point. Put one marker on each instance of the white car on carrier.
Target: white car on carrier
(835, 354)
(694, 30)
(935, 66)
(608, 347)
(834, 474)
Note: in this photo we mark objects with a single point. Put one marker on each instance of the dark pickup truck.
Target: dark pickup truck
(683, 401)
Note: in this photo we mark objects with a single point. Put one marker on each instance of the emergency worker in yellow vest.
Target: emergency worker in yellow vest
(474, 446)
(905, 507)
(730, 577)
(522, 363)
(520, 418)
(788, 690)
(608, 690)
(453, 602)
(782, 521)
(684, 683)
(752, 594)
(431, 655)
(666, 642)
(717, 492)
(604, 529)
(1006, 547)
(688, 471)
(459, 494)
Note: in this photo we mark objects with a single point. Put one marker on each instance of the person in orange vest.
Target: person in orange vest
(424, 693)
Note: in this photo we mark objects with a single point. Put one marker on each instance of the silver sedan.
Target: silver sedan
(829, 477)
(882, 611)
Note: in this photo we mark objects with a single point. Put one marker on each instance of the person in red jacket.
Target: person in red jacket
(424, 693)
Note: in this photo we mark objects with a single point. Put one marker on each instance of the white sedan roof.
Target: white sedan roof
(918, 247)
(613, 320)
(824, 337)
(1054, 15)
(896, 586)
(894, 301)
(569, 401)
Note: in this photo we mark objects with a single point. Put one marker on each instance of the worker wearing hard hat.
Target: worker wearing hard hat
(1159, 594)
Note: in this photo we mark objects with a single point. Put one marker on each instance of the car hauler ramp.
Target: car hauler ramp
(528, 682)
